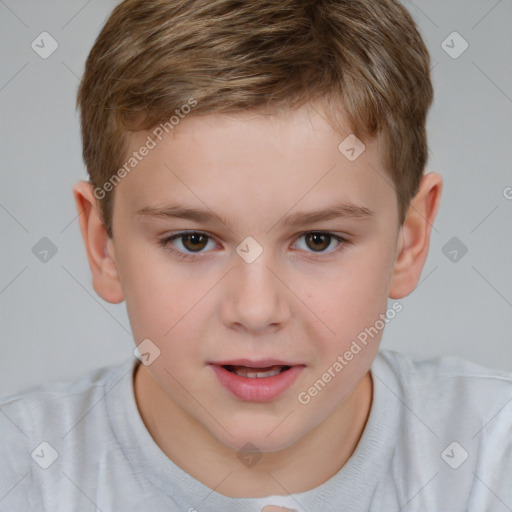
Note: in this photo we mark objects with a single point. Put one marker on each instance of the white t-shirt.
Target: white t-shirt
(438, 438)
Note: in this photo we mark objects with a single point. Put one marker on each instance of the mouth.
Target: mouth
(256, 373)
(256, 381)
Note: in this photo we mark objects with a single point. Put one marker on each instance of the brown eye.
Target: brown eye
(194, 241)
(318, 241)
(187, 244)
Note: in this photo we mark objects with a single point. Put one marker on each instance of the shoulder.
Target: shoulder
(32, 407)
(52, 429)
(455, 376)
(39, 422)
(453, 424)
(449, 386)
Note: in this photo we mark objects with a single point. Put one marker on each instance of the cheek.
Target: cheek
(353, 297)
(160, 301)
(350, 305)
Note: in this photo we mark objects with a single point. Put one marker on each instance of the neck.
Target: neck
(308, 463)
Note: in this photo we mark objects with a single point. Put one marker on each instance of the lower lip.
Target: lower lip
(257, 389)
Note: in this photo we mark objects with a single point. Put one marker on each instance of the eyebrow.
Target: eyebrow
(198, 215)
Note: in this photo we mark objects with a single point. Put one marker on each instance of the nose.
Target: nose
(257, 300)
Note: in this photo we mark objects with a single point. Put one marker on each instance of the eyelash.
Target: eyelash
(165, 243)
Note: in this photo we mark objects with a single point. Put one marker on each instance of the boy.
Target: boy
(257, 193)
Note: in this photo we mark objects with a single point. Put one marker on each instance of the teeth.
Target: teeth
(254, 374)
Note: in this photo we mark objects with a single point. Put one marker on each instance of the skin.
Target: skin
(299, 301)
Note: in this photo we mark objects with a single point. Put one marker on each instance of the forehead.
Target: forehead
(248, 163)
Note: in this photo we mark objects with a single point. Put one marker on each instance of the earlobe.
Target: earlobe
(98, 245)
(414, 238)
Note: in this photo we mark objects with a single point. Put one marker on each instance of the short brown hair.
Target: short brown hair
(366, 59)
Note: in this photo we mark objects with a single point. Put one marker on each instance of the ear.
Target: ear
(98, 245)
(414, 238)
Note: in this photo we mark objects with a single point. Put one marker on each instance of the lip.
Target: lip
(261, 363)
(256, 389)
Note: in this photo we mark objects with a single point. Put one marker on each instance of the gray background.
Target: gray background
(54, 327)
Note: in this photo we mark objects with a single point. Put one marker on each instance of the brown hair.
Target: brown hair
(365, 59)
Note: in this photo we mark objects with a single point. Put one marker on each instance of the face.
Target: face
(252, 279)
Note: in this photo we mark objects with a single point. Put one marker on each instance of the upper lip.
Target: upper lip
(261, 363)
